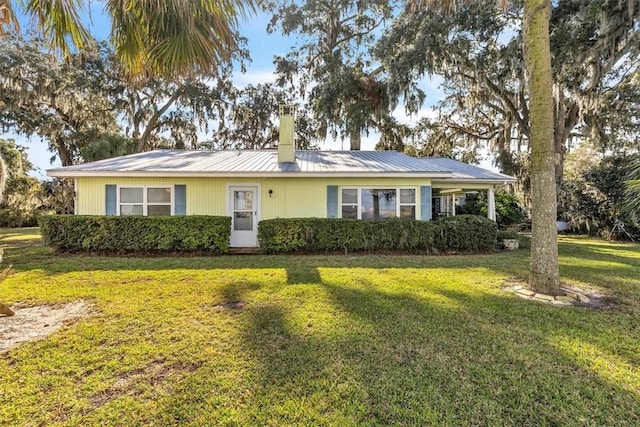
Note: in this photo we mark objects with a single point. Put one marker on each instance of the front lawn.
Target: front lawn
(322, 340)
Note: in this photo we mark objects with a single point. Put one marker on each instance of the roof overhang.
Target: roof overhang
(461, 182)
(62, 173)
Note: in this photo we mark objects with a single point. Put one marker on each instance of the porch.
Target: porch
(447, 201)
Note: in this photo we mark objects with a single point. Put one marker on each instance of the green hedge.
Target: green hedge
(464, 233)
(508, 234)
(136, 234)
(460, 233)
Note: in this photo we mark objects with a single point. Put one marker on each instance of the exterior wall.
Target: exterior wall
(290, 197)
(307, 197)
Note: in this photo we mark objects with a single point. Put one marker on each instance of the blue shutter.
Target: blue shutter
(110, 200)
(425, 202)
(180, 199)
(332, 201)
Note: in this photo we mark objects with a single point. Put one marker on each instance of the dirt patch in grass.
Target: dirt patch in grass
(134, 382)
(591, 298)
(32, 323)
(230, 305)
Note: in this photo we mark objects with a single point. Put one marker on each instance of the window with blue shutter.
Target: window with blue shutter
(180, 199)
(426, 194)
(332, 201)
(110, 199)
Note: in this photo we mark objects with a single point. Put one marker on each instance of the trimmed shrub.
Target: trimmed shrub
(468, 233)
(136, 234)
(464, 233)
(507, 234)
(398, 234)
(282, 235)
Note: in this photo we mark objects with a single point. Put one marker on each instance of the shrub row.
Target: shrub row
(136, 234)
(457, 233)
(464, 233)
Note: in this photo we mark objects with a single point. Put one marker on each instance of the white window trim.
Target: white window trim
(145, 204)
(358, 201)
(414, 204)
(379, 187)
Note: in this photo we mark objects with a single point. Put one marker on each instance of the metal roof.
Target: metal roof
(464, 171)
(264, 163)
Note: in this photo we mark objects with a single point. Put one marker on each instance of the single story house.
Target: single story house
(253, 185)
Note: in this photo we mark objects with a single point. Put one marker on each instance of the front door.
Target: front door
(245, 213)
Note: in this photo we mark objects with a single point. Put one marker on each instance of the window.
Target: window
(349, 203)
(407, 203)
(378, 203)
(148, 201)
(243, 210)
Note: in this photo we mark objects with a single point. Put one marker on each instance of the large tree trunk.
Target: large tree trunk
(355, 140)
(544, 274)
(63, 151)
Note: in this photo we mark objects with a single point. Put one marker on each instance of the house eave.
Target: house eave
(61, 173)
(457, 182)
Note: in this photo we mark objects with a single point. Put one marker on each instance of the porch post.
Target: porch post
(75, 196)
(453, 204)
(491, 204)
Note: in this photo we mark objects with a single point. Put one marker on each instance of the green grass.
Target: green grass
(323, 340)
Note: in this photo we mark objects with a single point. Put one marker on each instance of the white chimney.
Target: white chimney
(286, 147)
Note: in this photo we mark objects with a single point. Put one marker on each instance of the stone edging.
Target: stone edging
(569, 297)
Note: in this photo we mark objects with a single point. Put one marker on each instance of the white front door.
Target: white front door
(245, 213)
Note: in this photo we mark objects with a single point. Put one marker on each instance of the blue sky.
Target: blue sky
(262, 47)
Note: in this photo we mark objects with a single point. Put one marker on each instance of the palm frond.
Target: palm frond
(8, 19)
(60, 23)
(180, 36)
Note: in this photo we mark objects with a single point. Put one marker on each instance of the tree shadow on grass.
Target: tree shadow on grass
(304, 269)
(433, 354)
(233, 293)
(478, 350)
(303, 274)
(399, 359)
(400, 356)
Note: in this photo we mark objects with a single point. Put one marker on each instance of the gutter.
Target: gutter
(453, 181)
(61, 173)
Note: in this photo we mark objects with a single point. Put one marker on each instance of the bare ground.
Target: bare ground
(32, 323)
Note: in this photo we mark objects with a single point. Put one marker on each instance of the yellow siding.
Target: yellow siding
(204, 196)
(307, 197)
(290, 197)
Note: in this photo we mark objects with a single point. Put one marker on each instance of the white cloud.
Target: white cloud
(400, 113)
(254, 77)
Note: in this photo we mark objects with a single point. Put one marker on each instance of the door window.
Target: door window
(243, 210)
